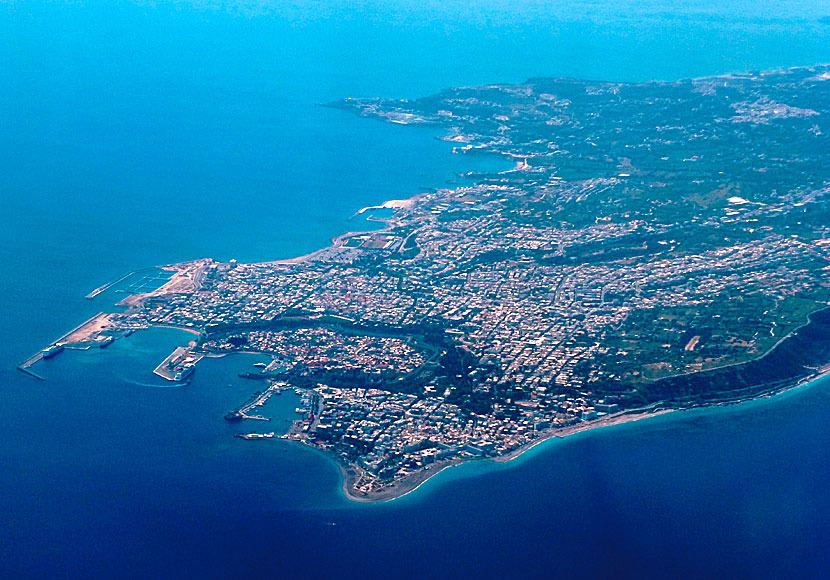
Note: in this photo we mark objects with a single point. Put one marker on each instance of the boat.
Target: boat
(260, 365)
(52, 350)
(184, 372)
(250, 436)
(106, 342)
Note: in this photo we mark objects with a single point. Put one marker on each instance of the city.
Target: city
(651, 238)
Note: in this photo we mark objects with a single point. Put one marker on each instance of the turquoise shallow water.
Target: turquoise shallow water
(138, 134)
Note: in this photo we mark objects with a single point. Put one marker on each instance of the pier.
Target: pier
(178, 365)
(254, 436)
(26, 365)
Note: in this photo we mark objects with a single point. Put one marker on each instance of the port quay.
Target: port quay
(178, 366)
(87, 330)
(53, 348)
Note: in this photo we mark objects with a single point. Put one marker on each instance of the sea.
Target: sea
(137, 134)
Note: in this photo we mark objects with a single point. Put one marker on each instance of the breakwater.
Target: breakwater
(108, 285)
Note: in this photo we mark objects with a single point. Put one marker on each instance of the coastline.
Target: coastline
(607, 421)
(186, 278)
(410, 483)
(336, 241)
(350, 473)
(391, 493)
(182, 328)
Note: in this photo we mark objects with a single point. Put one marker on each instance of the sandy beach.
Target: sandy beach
(412, 482)
(351, 473)
(391, 204)
(186, 278)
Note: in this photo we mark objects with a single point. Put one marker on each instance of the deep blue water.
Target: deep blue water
(138, 134)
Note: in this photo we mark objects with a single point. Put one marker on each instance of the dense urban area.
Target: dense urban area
(657, 245)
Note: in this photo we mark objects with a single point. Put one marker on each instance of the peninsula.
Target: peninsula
(657, 246)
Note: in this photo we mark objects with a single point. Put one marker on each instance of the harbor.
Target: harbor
(99, 330)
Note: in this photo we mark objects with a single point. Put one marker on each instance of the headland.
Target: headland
(658, 246)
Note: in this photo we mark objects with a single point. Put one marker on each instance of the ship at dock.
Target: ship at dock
(183, 373)
(255, 436)
(52, 350)
(178, 366)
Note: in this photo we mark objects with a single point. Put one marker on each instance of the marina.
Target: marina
(257, 400)
(108, 285)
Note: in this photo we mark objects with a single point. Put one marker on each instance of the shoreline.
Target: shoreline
(410, 483)
(182, 328)
(350, 473)
(407, 485)
(186, 276)
(335, 242)
(389, 204)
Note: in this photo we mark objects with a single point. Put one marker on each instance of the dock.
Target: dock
(172, 368)
(26, 365)
(273, 366)
(255, 436)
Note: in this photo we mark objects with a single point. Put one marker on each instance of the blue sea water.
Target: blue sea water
(134, 134)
